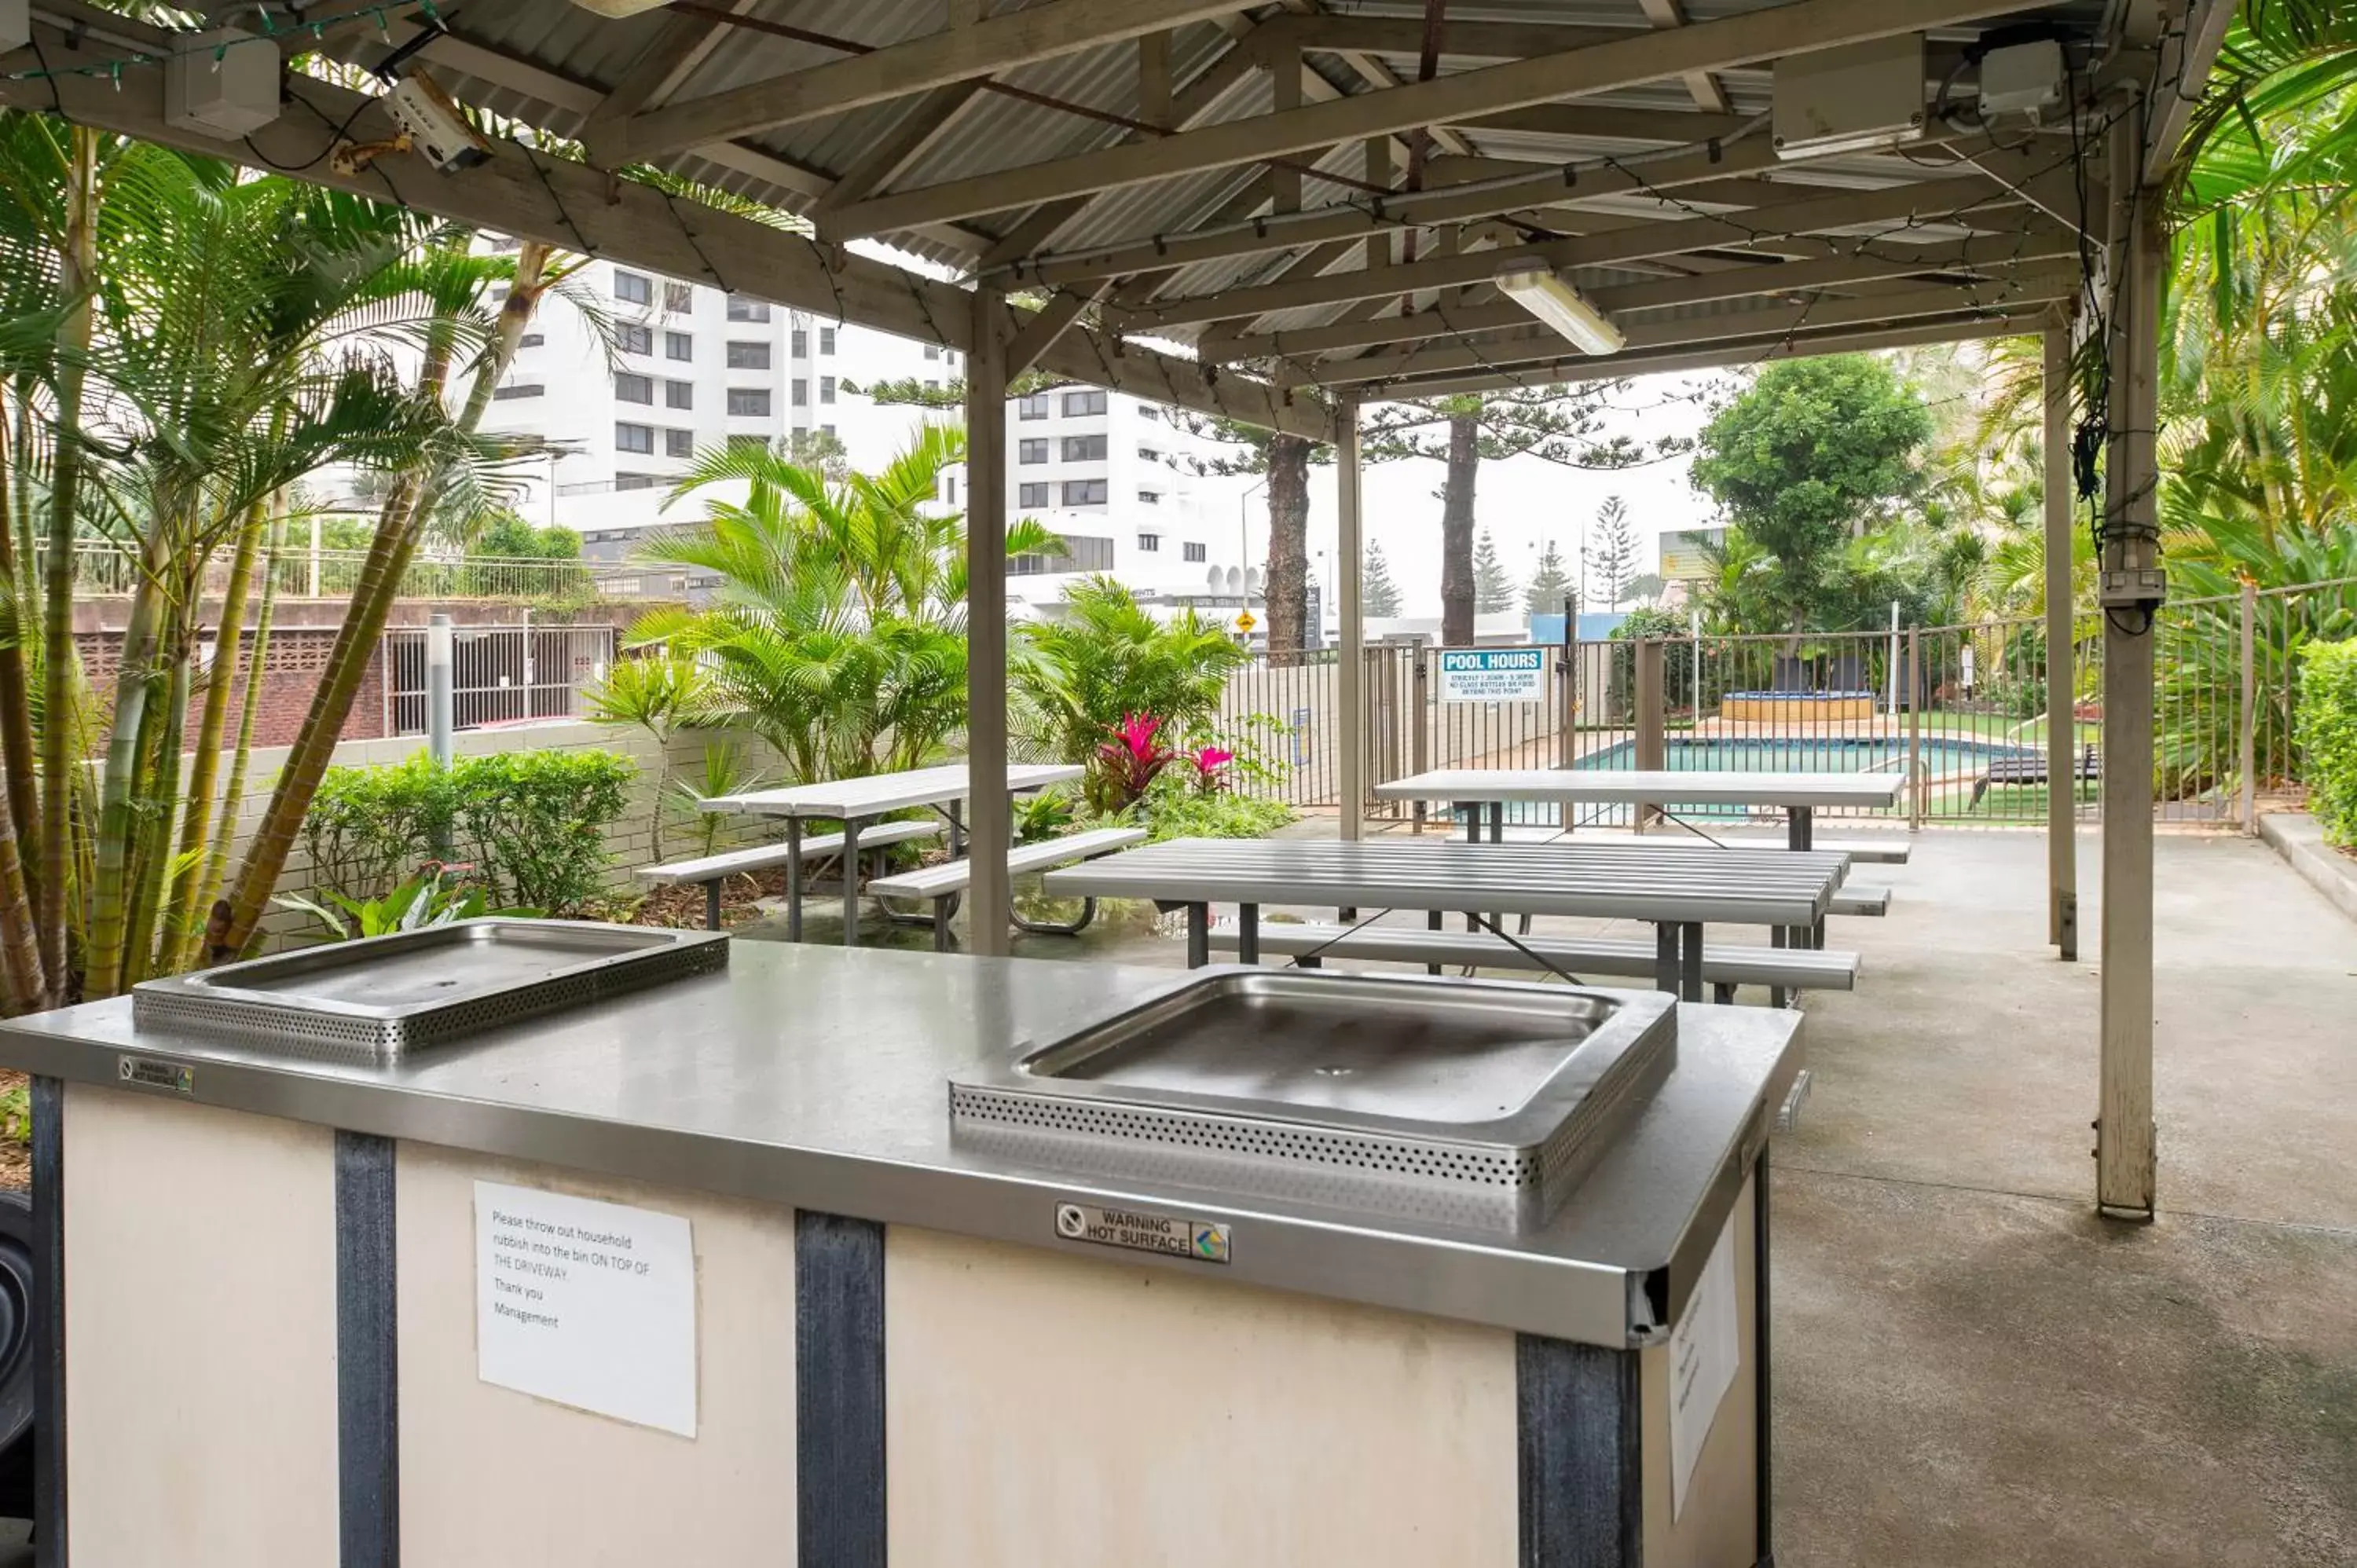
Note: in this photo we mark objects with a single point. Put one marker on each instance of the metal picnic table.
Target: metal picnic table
(1800, 795)
(854, 802)
(1675, 887)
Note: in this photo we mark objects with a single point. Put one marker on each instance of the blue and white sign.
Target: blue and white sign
(1493, 674)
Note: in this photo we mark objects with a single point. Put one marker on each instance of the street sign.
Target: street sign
(1493, 675)
(1244, 622)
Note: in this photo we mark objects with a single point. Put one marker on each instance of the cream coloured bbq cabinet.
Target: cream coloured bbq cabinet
(527, 1242)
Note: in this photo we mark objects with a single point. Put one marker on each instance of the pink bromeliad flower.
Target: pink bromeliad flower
(1209, 760)
(1137, 732)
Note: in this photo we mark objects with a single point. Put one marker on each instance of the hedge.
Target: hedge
(2328, 736)
(532, 824)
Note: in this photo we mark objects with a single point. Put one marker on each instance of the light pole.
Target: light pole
(1243, 541)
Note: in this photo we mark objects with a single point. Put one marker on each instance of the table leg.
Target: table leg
(955, 811)
(712, 905)
(1691, 989)
(793, 879)
(1247, 933)
(1799, 828)
(1436, 921)
(851, 883)
(1666, 956)
(1199, 935)
(1497, 822)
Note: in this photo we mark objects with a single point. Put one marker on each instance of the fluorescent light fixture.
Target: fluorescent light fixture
(1562, 307)
(619, 8)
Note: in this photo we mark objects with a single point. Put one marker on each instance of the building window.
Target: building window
(949, 358)
(749, 402)
(801, 392)
(949, 489)
(933, 383)
(1090, 402)
(633, 288)
(827, 429)
(1031, 495)
(933, 350)
(749, 444)
(679, 443)
(629, 388)
(1194, 553)
(637, 481)
(1030, 451)
(1150, 454)
(1032, 406)
(1082, 553)
(826, 339)
(801, 336)
(745, 355)
(826, 389)
(679, 346)
(1085, 492)
(679, 394)
(635, 438)
(747, 309)
(679, 299)
(1150, 498)
(634, 338)
(1084, 448)
(1148, 411)
(521, 389)
(1149, 543)
(532, 340)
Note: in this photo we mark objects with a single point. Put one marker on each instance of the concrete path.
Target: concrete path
(1970, 1367)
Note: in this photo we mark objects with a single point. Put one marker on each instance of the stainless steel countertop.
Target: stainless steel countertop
(817, 1076)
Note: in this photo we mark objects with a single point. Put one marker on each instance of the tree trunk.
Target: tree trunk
(17, 749)
(148, 929)
(236, 917)
(110, 903)
(1456, 531)
(78, 268)
(204, 772)
(1289, 548)
(257, 667)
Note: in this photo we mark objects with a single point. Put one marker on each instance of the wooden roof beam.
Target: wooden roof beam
(1910, 206)
(1793, 27)
(1583, 368)
(895, 70)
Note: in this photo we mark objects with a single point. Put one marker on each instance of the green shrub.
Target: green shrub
(532, 824)
(2328, 736)
(1174, 807)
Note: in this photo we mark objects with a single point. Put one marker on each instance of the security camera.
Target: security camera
(433, 124)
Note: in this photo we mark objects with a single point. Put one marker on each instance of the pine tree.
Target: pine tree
(1493, 585)
(1613, 558)
(1552, 586)
(1378, 595)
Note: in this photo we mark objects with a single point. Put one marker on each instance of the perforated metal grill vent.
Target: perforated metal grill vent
(1400, 1158)
(318, 1035)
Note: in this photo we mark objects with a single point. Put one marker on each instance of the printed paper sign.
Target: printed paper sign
(1704, 1354)
(1493, 674)
(590, 1305)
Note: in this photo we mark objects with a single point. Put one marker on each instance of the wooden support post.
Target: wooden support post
(1351, 676)
(986, 725)
(1652, 740)
(2061, 659)
(2124, 1125)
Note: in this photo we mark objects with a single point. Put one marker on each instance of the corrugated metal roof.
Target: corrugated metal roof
(566, 58)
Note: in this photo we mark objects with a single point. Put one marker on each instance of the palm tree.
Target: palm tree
(837, 630)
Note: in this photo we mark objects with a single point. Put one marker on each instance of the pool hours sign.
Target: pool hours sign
(1493, 675)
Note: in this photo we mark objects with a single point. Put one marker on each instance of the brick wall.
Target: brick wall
(299, 658)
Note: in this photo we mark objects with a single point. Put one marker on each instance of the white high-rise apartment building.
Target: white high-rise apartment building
(692, 367)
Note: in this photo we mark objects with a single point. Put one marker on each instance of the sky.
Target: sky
(1522, 501)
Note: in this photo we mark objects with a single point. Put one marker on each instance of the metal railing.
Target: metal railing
(2226, 694)
(500, 674)
(109, 571)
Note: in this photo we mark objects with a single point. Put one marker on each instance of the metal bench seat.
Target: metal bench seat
(944, 883)
(712, 870)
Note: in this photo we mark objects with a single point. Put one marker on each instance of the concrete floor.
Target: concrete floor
(1970, 1367)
